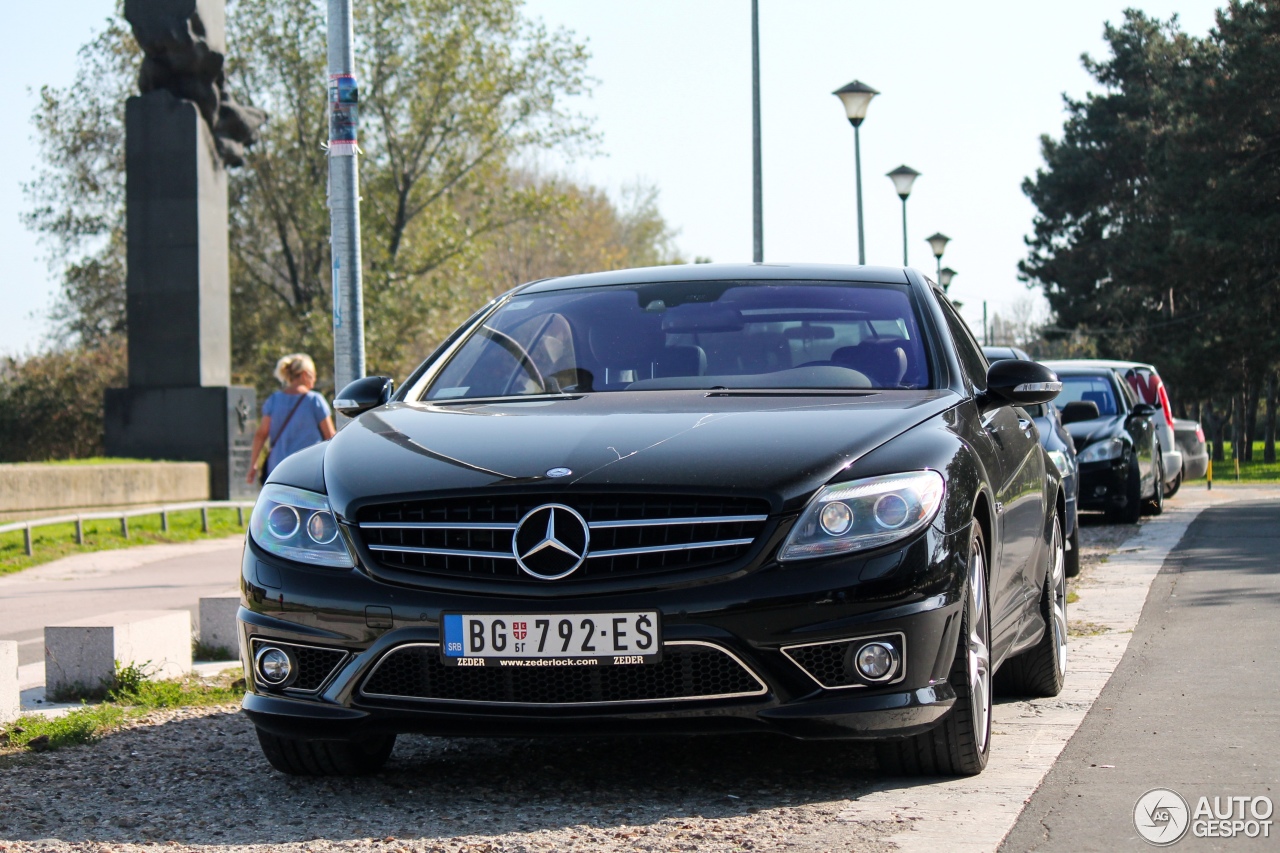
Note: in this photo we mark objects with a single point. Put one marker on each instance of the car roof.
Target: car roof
(1099, 362)
(1000, 352)
(724, 272)
(1069, 368)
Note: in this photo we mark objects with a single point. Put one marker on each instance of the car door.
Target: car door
(1143, 431)
(1008, 444)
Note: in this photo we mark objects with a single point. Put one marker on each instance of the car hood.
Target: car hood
(1084, 433)
(773, 446)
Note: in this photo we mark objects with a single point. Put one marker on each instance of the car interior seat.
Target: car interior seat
(883, 361)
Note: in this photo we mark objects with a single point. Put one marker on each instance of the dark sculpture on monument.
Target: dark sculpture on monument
(182, 133)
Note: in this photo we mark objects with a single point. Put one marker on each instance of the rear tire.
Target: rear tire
(961, 743)
(1041, 670)
(298, 757)
(1154, 505)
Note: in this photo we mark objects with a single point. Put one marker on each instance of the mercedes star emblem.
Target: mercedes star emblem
(551, 542)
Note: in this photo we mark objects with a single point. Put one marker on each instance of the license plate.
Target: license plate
(551, 639)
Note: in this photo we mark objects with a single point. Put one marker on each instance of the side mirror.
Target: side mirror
(1144, 410)
(363, 395)
(1022, 383)
(1080, 410)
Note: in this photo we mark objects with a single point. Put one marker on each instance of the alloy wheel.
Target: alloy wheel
(1058, 578)
(979, 642)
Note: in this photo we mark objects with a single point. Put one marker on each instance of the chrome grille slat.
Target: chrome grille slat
(630, 535)
(658, 549)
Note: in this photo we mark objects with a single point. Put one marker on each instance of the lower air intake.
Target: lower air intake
(687, 671)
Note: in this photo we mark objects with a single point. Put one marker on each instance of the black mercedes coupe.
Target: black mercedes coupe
(689, 499)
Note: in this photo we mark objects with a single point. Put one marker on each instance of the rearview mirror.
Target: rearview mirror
(1022, 383)
(363, 395)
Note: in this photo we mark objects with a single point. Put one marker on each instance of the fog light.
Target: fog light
(876, 661)
(836, 518)
(274, 665)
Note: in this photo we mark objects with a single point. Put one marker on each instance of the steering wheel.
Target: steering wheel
(522, 357)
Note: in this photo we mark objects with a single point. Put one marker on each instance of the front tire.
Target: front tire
(1132, 509)
(961, 743)
(1172, 488)
(1041, 670)
(1072, 558)
(298, 757)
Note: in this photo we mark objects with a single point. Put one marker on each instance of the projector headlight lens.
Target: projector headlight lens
(864, 514)
(298, 525)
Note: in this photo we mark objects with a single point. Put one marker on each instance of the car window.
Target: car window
(1091, 389)
(669, 335)
(972, 360)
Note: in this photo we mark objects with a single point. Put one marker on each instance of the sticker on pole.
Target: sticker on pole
(344, 120)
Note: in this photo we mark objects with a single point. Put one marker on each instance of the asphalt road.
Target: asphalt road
(1192, 705)
(155, 577)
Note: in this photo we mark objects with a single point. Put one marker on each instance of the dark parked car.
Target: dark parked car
(789, 499)
(1062, 452)
(1118, 451)
(1195, 451)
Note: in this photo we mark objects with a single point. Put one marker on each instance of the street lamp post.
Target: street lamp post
(938, 242)
(757, 193)
(856, 96)
(944, 278)
(903, 177)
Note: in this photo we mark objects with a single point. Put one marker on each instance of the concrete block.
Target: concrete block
(218, 622)
(10, 695)
(84, 652)
(28, 487)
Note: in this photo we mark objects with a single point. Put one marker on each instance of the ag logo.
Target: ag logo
(1161, 817)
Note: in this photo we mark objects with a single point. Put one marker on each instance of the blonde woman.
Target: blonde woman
(294, 418)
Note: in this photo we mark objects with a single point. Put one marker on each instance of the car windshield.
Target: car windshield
(671, 335)
(1090, 389)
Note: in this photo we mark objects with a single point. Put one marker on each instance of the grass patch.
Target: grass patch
(96, 460)
(59, 540)
(1256, 471)
(201, 651)
(1073, 597)
(38, 733)
(1077, 628)
(129, 695)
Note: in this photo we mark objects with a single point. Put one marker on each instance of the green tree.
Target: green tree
(1156, 209)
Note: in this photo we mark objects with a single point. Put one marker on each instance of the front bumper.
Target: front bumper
(1104, 485)
(757, 617)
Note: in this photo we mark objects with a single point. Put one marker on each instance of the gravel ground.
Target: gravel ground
(194, 779)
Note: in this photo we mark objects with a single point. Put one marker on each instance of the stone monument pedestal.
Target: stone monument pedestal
(180, 404)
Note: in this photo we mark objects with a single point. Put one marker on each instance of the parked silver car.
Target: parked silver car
(1146, 383)
(1195, 450)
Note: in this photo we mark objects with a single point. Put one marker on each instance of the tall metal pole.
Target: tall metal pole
(857, 160)
(344, 199)
(904, 232)
(757, 252)
(939, 278)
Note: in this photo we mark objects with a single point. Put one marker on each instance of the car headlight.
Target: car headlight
(1061, 461)
(864, 514)
(298, 525)
(1101, 451)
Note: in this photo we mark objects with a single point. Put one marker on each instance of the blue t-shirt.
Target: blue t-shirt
(303, 429)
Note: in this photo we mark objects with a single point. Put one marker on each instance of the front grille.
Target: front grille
(688, 670)
(629, 534)
(315, 664)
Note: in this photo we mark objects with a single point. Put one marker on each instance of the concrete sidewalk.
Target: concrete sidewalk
(1192, 706)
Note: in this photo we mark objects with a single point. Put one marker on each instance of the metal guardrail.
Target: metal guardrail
(124, 515)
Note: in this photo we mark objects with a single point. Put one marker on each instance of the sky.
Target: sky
(967, 89)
